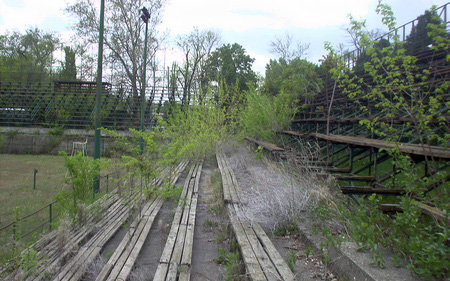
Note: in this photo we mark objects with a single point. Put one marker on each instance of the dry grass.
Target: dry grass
(276, 193)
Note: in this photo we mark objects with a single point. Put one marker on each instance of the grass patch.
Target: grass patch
(16, 185)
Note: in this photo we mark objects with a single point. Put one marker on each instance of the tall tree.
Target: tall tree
(419, 40)
(284, 47)
(197, 47)
(230, 64)
(123, 37)
(69, 69)
(28, 56)
(298, 78)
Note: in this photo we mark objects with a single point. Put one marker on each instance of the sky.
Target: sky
(254, 24)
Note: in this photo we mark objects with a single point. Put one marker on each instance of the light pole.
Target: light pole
(98, 99)
(145, 16)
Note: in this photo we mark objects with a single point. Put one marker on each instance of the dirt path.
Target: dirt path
(209, 228)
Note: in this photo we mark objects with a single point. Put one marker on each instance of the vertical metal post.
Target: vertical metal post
(375, 163)
(394, 167)
(50, 216)
(351, 158)
(99, 93)
(34, 179)
(145, 17)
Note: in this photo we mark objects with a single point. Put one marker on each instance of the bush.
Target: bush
(264, 115)
(194, 130)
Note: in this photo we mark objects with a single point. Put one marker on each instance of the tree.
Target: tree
(69, 68)
(283, 47)
(297, 78)
(29, 56)
(231, 65)
(419, 40)
(123, 37)
(274, 76)
(355, 29)
(197, 47)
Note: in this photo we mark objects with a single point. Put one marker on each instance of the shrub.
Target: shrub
(264, 115)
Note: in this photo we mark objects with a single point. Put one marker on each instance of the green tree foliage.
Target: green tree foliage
(136, 164)
(27, 57)
(81, 172)
(297, 78)
(233, 66)
(69, 68)
(394, 84)
(419, 40)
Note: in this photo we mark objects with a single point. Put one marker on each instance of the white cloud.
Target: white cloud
(31, 13)
(244, 15)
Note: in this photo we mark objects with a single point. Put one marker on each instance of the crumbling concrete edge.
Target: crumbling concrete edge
(348, 264)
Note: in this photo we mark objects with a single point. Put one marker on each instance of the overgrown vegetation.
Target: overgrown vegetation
(264, 115)
(397, 84)
(387, 81)
(193, 131)
(81, 172)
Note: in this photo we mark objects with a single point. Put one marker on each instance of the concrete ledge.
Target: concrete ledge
(349, 264)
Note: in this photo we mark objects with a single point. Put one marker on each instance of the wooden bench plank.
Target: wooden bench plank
(273, 253)
(251, 262)
(225, 180)
(126, 270)
(123, 251)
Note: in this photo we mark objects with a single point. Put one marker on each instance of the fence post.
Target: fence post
(107, 183)
(50, 216)
(14, 231)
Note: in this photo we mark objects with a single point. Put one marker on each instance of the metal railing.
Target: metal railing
(50, 105)
(402, 31)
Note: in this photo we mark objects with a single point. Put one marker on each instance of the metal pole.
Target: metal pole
(143, 82)
(34, 182)
(99, 93)
(50, 216)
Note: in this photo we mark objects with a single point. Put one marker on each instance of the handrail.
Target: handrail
(351, 57)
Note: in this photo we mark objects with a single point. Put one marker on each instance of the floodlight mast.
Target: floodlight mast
(99, 94)
(145, 17)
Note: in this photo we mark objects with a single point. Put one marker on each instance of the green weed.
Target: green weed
(291, 259)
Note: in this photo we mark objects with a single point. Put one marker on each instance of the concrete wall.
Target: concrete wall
(44, 141)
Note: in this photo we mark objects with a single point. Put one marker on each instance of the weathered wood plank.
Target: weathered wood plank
(269, 269)
(128, 243)
(128, 266)
(251, 262)
(273, 253)
(161, 272)
(369, 190)
(225, 182)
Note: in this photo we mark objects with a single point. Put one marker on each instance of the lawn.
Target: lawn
(16, 183)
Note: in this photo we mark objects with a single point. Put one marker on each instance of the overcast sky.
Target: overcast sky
(250, 23)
